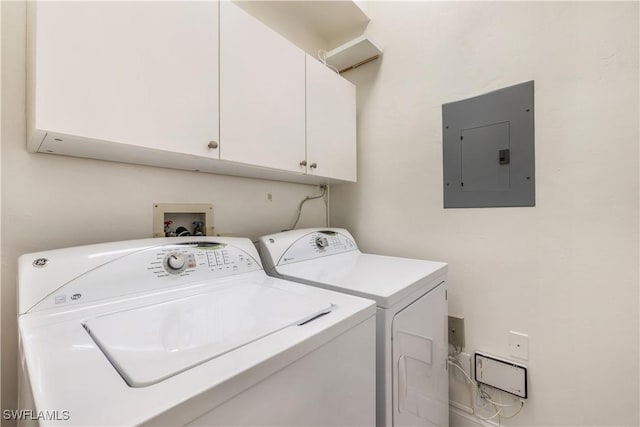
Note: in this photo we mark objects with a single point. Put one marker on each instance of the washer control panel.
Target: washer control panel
(154, 268)
(201, 259)
(317, 244)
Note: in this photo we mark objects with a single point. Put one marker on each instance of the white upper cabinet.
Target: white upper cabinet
(331, 123)
(198, 86)
(138, 73)
(262, 94)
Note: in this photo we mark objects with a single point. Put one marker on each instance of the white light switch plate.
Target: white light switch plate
(519, 345)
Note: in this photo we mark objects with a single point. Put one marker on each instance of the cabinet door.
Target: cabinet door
(261, 94)
(331, 123)
(139, 73)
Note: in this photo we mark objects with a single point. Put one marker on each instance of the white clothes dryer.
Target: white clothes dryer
(187, 331)
(411, 298)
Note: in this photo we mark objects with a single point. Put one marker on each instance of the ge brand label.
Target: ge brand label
(40, 262)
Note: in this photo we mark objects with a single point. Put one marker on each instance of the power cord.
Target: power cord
(305, 200)
(484, 395)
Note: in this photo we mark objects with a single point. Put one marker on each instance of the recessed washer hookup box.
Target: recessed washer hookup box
(502, 374)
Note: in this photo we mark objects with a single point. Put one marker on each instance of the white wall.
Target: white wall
(53, 201)
(565, 271)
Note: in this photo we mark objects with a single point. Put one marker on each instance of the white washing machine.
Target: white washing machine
(411, 299)
(188, 331)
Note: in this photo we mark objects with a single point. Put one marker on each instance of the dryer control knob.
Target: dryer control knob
(175, 262)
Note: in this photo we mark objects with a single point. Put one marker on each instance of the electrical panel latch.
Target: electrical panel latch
(503, 156)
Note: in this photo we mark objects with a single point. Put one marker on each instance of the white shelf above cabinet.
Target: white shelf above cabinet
(353, 54)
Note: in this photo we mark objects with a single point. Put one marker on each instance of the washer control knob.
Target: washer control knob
(175, 262)
(322, 242)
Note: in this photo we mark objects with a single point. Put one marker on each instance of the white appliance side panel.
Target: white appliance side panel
(25, 392)
(384, 398)
(419, 358)
(314, 390)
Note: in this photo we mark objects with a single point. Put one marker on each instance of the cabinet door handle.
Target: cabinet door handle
(212, 144)
(303, 163)
(313, 165)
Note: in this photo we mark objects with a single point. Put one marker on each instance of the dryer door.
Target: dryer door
(419, 357)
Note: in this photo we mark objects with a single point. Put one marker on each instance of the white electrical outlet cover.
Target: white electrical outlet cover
(519, 345)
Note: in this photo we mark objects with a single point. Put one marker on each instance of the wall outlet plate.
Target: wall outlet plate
(456, 331)
(519, 345)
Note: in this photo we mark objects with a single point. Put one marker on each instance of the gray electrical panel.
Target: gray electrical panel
(488, 149)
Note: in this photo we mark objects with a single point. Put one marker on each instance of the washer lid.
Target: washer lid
(384, 279)
(149, 344)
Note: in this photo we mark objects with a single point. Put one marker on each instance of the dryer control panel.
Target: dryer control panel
(316, 244)
(152, 269)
